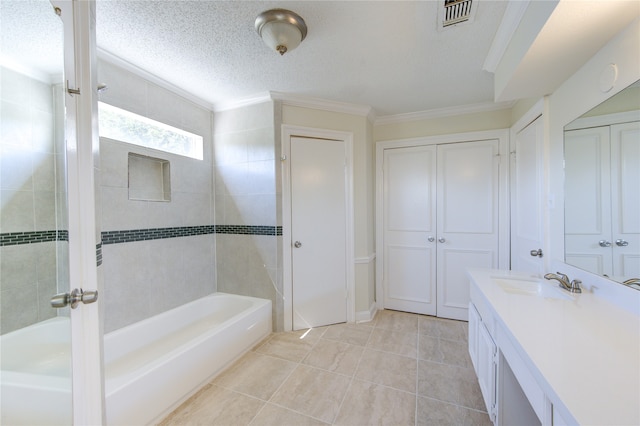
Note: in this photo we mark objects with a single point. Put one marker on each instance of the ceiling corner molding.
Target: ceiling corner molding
(323, 104)
(152, 78)
(443, 112)
(243, 102)
(512, 16)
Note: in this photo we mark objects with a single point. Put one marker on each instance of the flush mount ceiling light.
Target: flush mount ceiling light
(281, 29)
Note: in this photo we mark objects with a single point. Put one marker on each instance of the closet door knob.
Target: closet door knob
(441, 240)
(431, 239)
(604, 243)
(622, 243)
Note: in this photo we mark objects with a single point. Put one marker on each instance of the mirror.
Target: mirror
(602, 189)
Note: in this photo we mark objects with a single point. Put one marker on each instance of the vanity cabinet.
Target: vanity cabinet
(544, 356)
(483, 351)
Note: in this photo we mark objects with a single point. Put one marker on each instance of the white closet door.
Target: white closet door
(625, 199)
(467, 205)
(526, 198)
(318, 232)
(410, 229)
(588, 200)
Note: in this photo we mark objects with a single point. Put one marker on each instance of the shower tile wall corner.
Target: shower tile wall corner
(245, 194)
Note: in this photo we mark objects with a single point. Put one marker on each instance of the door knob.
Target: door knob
(604, 243)
(74, 298)
(431, 239)
(441, 240)
(535, 253)
(297, 244)
(621, 243)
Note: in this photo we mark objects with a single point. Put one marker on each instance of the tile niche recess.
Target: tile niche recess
(149, 178)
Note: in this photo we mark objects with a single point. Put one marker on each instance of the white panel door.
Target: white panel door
(526, 198)
(625, 199)
(588, 200)
(318, 232)
(410, 229)
(467, 219)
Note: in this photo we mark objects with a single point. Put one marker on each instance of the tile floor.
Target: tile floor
(399, 369)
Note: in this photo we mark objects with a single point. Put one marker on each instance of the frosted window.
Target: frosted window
(125, 126)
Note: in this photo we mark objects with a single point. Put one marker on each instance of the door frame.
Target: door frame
(289, 131)
(82, 149)
(502, 135)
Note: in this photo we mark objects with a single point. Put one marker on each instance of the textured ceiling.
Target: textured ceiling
(385, 54)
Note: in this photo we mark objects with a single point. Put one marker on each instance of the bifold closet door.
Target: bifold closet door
(467, 219)
(409, 267)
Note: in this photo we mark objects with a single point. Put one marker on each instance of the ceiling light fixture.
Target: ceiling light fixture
(281, 29)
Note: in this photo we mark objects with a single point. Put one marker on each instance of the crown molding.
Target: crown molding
(512, 16)
(443, 112)
(258, 98)
(134, 69)
(323, 104)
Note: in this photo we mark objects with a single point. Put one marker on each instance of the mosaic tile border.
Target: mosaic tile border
(32, 237)
(128, 236)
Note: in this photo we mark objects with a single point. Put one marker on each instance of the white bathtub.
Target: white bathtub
(150, 367)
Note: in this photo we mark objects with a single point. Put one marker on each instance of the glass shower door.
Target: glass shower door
(35, 338)
(42, 241)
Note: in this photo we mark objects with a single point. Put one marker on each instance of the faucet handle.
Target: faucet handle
(563, 276)
(575, 286)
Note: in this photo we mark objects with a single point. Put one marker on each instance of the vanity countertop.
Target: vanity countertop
(584, 352)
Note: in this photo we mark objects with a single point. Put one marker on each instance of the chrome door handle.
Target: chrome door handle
(431, 239)
(297, 244)
(622, 243)
(74, 298)
(604, 243)
(441, 240)
(535, 253)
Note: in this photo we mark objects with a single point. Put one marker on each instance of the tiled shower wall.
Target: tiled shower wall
(247, 193)
(33, 254)
(156, 268)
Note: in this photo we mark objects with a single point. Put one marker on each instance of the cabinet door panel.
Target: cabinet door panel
(625, 198)
(409, 220)
(587, 212)
(486, 367)
(468, 183)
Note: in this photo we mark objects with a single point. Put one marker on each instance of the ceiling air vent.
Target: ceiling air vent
(456, 11)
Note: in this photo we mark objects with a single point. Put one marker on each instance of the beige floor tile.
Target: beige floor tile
(433, 412)
(256, 375)
(397, 342)
(443, 328)
(353, 334)
(215, 406)
(444, 351)
(371, 404)
(449, 383)
(290, 346)
(388, 369)
(337, 357)
(272, 415)
(398, 321)
(313, 392)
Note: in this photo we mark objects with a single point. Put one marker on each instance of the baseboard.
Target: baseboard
(366, 316)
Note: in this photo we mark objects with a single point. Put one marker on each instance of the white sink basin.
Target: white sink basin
(530, 286)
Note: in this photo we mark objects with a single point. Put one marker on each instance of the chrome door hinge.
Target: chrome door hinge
(72, 91)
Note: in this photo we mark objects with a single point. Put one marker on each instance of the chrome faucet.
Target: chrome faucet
(631, 281)
(571, 286)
